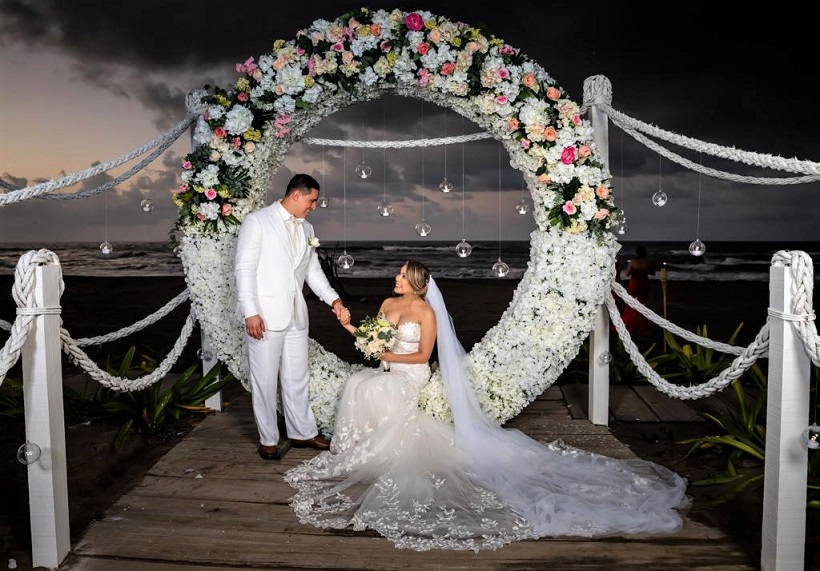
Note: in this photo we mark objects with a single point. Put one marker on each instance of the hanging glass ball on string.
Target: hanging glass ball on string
(445, 186)
(811, 437)
(605, 358)
(463, 249)
(345, 261)
(522, 207)
(204, 355)
(423, 228)
(147, 205)
(697, 248)
(385, 208)
(28, 453)
(622, 226)
(500, 269)
(322, 202)
(363, 170)
(106, 247)
(660, 199)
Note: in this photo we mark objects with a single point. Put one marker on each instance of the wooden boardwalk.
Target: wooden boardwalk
(212, 503)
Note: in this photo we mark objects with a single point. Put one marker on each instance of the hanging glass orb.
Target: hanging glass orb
(463, 249)
(322, 202)
(445, 186)
(147, 205)
(659, 198)
(28, 453)
(204, 355)
(385, 208)
(622, 227)
(811, 437)
(345, 261)
(106, 247)
(522, 207)
(697, 248)
(423, 228)
(605, 358)
(363, 170)
(500, 269)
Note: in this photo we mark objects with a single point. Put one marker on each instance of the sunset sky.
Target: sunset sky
(84, 82)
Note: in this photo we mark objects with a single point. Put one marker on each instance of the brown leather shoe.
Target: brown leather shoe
(268, 452)
(317, 442)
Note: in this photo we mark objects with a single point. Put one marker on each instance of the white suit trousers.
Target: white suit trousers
(284, 353)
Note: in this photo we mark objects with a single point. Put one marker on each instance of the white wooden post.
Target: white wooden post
(598, 398)
(45, 426)
(787, 414)
(598, 404)
(208, 357)
(215, 402)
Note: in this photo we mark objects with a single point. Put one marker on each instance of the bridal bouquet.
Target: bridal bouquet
(375, 336)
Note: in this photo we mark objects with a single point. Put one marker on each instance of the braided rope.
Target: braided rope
(802, 298)
(398, 144)
(121, 178)
(74, 178)
(758, 348)
(79, 358)
(747, 157)
(710, 171)
(139, 325)
(671, 327)
(23, 294)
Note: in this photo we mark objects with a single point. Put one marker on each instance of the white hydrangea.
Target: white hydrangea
(238, 120)
(209, 210)
(290, 79)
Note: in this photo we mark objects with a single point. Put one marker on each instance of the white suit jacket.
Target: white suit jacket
(269, 279)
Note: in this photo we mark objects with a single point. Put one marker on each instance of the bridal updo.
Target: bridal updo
(418, 276)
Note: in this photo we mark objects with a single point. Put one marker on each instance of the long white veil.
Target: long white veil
(555, 488)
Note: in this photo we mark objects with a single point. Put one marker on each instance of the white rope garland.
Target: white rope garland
(398, 144)
(68, 180)
(747, 157)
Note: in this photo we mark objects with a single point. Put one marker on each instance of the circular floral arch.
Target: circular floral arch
(245, 132)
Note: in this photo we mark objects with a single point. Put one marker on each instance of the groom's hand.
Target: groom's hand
(255, 326)
(338, 308)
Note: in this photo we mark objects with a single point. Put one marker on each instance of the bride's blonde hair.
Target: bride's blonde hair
(418, 276)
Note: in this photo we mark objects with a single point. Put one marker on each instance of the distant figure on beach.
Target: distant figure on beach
(425, 483)
(275, 256)
(638, 270)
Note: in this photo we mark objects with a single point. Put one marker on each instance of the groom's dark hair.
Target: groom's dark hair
(304, 183)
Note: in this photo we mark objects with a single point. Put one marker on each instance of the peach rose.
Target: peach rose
(601, 214)
(544, 178)
(227, 209)
(553, 93)
(529, 81)
(422, 48)
(513, 124)
(375, 29)
(602, 192)
(584, 151)
(447, 68)
(550, 134)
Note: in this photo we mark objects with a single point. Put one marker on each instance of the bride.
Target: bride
(426, 484)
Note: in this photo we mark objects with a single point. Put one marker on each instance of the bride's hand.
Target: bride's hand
(344, 318)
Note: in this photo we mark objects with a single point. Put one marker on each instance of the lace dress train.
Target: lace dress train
(395, 470)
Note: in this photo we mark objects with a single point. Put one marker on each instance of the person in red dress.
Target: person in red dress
(638, 270)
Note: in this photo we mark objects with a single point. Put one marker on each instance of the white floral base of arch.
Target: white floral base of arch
(541, 331)
(553, 307)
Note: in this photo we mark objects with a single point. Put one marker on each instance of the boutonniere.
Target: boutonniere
(314, 242)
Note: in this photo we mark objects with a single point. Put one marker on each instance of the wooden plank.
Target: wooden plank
(575, 395)
(626, 406)
(242, 533)
(665, 407)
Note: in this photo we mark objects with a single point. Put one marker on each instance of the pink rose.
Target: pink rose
(569, 208)
(447, 68)
(601, 214)
(525, 143)
(501, 99)
(187, 165)
(553, 93)
(375, 30)
(249, 147)
(242, 96)
(422, 48)
(576, 119)
(257, 74)
(506, 50)
(414, 22)
(602, 192)
(183, 187)
(338, 47)
(503, 73)
(210, 194)
(550, 134)
(227, 209)
(200, 216)
(568, 155)
(220, 132)
(235, 142)
(385, 46)
(300, 51)
(424, 77)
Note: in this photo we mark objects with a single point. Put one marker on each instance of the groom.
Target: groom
(274, 258)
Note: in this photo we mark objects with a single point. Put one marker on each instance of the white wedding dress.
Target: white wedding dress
(395, 470)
